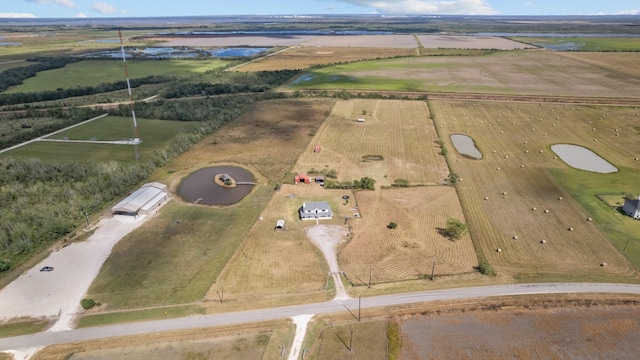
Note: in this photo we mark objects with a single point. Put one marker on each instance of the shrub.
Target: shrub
(392, 225)
(401, 183)
(455, 229)
(87, 303)
(486, 269)
(4, 265)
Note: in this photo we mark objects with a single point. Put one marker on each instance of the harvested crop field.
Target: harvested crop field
(366, 41)
(593, 333)
(406, 252)
(469, 42)
(301, 57)
(525, 72)
(511, 201)
(625, 62)
(397, 140)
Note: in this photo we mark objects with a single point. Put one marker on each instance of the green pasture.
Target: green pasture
(584, 186)
(587, 43)
(175, 257)
(140, 315)
(13, 64)
(155, 135)
(330, 81)
(93, 72)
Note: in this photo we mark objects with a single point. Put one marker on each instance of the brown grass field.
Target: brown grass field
(469, 42)
(625, 62)
(400, 131)
(515, 140)
(406, 252)
(273, 266)
(301, 57)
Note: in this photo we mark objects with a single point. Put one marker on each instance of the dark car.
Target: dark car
(47, 268)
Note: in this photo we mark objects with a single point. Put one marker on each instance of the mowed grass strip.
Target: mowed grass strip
(22, 327)
(406, 252)
(399, 131)
(108, 318)
(175, 257)
(93, 72)
(513, 176)
(155, 135)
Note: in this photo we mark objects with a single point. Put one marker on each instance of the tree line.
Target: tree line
(15, 76)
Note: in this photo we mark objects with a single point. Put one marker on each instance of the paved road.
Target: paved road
(49, 338)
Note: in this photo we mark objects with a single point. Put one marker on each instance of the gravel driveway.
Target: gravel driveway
(327, 238)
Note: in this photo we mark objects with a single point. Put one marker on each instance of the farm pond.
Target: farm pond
(582, 158)
(466, 146)
(200, 186)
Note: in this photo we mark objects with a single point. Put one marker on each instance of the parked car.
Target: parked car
(47, 268)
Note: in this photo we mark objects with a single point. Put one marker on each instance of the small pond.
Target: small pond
(466, 146)
(179, 53)
(200, 187)
(582, 158)
(8, 43)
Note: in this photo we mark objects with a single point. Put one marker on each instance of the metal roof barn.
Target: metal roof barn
(143, 200)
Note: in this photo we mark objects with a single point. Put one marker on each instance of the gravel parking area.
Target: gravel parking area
(58, 292)
(327, 238)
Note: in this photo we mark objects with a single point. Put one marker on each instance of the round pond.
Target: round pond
(582, 158)
(200, 187)
(466, 146)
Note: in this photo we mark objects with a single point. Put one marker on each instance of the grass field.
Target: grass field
(169, 262)
(525, 72)
(92, 72)
(406, 252)
(23, 327)
(157, 313)
(281, 264)
(399, 131)
(155, 135)
(515, 140)
(624, 62)
(247, 341)
(587, 43)
(365, 340)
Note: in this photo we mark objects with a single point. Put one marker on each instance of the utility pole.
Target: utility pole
(433, 267)
(86, 216)
(369, 284)
(359, 300)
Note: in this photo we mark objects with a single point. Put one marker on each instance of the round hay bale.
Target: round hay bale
(560, 198)
(543, 241)
(603, 264)
(515, 237)
(493, 151)
(540, 151)
(499, 250)
(570, 229)
(525, 141)
(504, 193)
(460, 180)
(555, 157)
(501, 132)
(506, 156)
(533, 129)
(486, 198)
(533, 208)
(545, 134)
(526, 151)
(636, 159)
(522, 166)
(594, 129)
(546, 211)
(497, 168)
(595, 139)
(589, 219)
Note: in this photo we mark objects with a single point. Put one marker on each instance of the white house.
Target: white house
(632, 207)
(315, 210)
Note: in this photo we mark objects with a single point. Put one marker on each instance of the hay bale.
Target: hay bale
(570, 229)
(603, 264)
(499, 250)
(543, 241)
(522, 166)
(589, 219)
(546, 211)
(504, 193)
(560, 198)
(506, 156)
(533, 208)
(515, 237)
(497, 168)
(486, 198)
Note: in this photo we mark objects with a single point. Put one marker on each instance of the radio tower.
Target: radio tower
(136, 139)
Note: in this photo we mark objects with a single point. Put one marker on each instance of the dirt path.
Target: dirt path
(327, 238)
(301, 322)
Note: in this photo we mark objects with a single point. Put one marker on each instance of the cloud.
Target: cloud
(442, 7)
(629, 12)
(104, 8)
(529, 3)
(65, 3)
(16, 15)
(81, 15)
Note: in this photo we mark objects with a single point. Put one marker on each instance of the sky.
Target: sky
(144, 8)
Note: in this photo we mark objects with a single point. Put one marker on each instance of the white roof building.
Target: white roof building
(315, 210)
(142, 201)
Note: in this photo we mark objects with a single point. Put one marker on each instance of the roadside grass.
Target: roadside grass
(514, 178)
(175, 257)
(155, 135)
(92, 72)
(22, 327)
(366, 340)
(108, 318)
(258, 340)
(620, 228)
(586, 43)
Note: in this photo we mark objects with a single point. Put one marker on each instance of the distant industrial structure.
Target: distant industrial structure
(142, 201)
